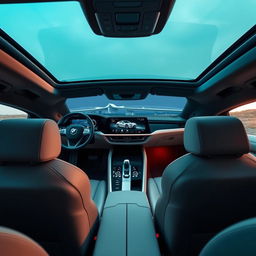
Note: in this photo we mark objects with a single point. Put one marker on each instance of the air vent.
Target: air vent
(127, 139)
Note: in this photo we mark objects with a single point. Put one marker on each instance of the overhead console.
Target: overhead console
(127, 18)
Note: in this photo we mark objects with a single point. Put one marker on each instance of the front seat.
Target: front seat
(237, 240)
(209, 188)
(13, 243)
(44, 197)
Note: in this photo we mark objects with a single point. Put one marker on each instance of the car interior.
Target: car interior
(127, 128)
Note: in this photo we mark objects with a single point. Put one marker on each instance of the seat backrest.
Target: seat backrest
(13, 243)
(208, 189)
(46, 198)
(236, 240)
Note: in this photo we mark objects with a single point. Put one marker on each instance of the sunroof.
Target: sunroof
(59, 37)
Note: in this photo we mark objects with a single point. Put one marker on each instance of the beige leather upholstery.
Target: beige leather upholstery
(44, 197)
(13, 243)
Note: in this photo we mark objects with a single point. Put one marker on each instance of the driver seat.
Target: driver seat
(42, 196)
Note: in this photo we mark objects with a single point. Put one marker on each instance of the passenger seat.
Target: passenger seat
(208, 189)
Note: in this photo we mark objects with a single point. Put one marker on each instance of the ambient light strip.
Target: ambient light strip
(158, 132)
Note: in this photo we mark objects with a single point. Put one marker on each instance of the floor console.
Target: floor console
(126, 227)
(127, 169)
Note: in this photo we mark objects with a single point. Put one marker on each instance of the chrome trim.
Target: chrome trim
(149, 137)
(126, 182)
(63, 131)
(157, 132)
(110, 153)
(155, 24)
(145, 166)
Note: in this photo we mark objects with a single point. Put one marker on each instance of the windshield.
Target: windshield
(152, 105)
(59, 37)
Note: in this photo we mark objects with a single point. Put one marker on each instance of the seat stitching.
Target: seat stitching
(63, 178)
(40, 141)
(171, 188)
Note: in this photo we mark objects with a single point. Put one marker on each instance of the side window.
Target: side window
(7, 112)
(247, 114)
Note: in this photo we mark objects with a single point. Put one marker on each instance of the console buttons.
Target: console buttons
(126, 4)
(127, 18)
(135, 174)
(116, 178)
(126, 28)
(118, 174)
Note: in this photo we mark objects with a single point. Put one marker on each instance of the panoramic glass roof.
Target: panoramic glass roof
(59, 37)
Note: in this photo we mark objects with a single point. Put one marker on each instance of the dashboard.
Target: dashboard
(132, 130)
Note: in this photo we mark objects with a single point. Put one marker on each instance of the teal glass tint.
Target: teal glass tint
(59, 37)
(150, 102)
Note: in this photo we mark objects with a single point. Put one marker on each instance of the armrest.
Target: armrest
(126, 227)
(127, 197)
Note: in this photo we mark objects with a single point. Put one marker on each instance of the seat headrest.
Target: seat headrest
(15, 243)
(29, 140)
(215, 136)
(236, 240)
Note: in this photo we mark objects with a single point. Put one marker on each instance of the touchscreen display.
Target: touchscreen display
(128, 125)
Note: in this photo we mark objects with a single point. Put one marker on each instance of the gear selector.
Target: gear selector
(126, 181)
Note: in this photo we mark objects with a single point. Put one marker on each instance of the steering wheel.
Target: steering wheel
(76, 130)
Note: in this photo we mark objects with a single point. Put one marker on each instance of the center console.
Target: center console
(127, 227)
(127, 169)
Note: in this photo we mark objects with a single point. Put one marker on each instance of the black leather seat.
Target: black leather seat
(237, 240)
(208, 189)
(44, 197)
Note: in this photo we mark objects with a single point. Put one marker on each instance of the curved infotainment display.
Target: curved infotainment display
(128, 125)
